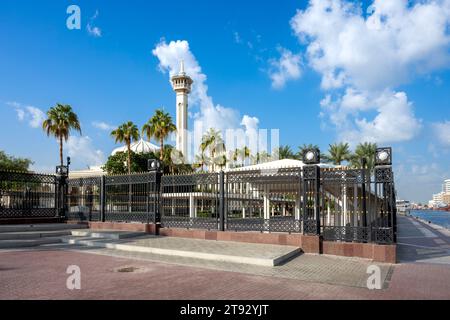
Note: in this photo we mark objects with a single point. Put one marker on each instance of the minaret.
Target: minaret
(181, 84)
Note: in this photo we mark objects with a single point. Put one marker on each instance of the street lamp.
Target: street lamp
(311, 156)
(383, 157)
(154, 165)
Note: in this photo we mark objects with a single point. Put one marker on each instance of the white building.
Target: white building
(140, 147)
(181, 84)
(438, 200)
(446, 186)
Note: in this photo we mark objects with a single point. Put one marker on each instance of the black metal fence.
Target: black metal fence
(340, 204)
(263, 200)
(190, 201)
(28, 195)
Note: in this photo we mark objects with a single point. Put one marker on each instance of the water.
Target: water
(441, 218)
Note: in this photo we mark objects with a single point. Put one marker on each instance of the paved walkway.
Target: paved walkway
(424, 273)
(41, 274)
(421, 243)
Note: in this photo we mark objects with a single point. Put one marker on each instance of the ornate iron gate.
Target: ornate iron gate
(131, 198)
(190, 201)
(28, 195)
(83, 199)
(263, 200)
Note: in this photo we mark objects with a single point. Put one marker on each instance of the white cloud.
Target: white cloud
(366, 56)
(83, 152)
(287, 67)
(103, 125)
(209, 115)
(380, 50)
(395, 121)
(442, 132)
(34, 116)
(91, 28)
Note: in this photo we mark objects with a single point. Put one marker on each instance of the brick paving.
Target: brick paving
(314, 268)
(41, 274)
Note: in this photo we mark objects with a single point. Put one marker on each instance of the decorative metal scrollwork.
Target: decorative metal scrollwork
(384, 175)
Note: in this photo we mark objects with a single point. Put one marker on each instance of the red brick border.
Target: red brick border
(309, 244)
(132, 227)
(375, 252)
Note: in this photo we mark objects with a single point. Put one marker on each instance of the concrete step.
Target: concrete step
(33, 234)
(26, 243)
(40, 227)
(254, 254)
(107, 234)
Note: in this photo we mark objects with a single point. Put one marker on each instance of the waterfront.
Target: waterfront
(441, 218)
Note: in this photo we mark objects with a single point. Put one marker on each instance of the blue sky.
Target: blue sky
(320, 72)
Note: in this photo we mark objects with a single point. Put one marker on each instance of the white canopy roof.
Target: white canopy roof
(140, 146)
(278, 164)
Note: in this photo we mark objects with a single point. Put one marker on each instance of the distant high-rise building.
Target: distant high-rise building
(447, 186)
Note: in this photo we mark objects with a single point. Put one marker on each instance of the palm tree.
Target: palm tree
(213, 141)
(127, 132)
(244, 154)
(338, 153)
(234, 156)
(159, 127)
(285, 152)
(60, 121)
(255, 159)
(201, 160)
(364, 150)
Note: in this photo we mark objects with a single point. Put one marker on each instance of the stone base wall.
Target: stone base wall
(309, 244)
(132, 227)
(10, 221)
(375, 252)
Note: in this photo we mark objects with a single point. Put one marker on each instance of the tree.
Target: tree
(159, 127)
(10, 163)
(61, 120)
(245, 153)
(126, 133)
(213, 141)
(201, 160)
(364, 150)
(116, 164)
(338, 153)
(171, 161)
(285, 152)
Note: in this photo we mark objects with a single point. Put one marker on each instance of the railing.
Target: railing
(27, 195)
(339, 204)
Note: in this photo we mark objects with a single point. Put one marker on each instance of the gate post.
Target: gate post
(102, 198)
(311, 192)
(363, 191)
(222, 201)
(156, 167)
(158, 202)
(62, 173)
(384, 176)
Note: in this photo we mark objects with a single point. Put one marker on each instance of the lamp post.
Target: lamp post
(384, 177)
(311, 185)
(155, 166)
(62, 174)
